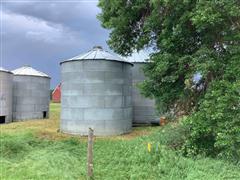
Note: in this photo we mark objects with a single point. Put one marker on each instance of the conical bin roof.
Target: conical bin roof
(29, 71)
(97, 53)
(4, 70)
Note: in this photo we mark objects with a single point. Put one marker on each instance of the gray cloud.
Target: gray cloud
(43, 34)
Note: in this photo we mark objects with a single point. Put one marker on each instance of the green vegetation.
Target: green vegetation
(195, 65)
(215, 128)
(32, 154)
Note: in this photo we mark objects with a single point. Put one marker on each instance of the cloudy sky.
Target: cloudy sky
(43, 33)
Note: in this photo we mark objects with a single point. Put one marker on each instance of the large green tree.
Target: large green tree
(189, 37)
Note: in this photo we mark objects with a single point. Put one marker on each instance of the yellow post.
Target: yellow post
(149, 147)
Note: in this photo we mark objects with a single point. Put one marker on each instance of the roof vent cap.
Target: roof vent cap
(26, 65)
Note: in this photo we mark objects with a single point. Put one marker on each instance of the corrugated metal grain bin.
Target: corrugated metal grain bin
(31, 94)
(6, 85)
(143, 108)
(96, 93)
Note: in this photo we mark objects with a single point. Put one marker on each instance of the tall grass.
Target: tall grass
(26, 155)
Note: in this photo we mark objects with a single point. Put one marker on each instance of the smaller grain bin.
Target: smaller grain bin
(143, 108)
(96, 93)
(31, 94)
(6, 85)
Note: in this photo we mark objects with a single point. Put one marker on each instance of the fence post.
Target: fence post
(90, 154)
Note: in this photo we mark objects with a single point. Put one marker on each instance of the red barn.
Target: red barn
(56, 94)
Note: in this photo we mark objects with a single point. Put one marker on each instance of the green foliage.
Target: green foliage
(188, 36)
(215, 128)
(174, 136)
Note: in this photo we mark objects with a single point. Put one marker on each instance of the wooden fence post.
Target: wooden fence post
(90, 154)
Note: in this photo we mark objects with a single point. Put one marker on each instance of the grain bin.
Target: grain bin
(6, 85)
(143, 108)
(31, 94)
(96, 93)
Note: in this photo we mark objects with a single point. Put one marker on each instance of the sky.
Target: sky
(45, 32)
(42, 33)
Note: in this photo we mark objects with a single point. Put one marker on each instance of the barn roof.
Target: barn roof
(58, 87)
(29, 71)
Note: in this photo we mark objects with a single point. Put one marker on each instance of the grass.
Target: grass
(35, 150)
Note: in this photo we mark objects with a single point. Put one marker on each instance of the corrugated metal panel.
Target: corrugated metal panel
(96, 94)
(29, 71)
(97, 53)
(31, 97)
(6, 87)
(143, 108)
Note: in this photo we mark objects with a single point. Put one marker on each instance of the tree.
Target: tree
(189, 37)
